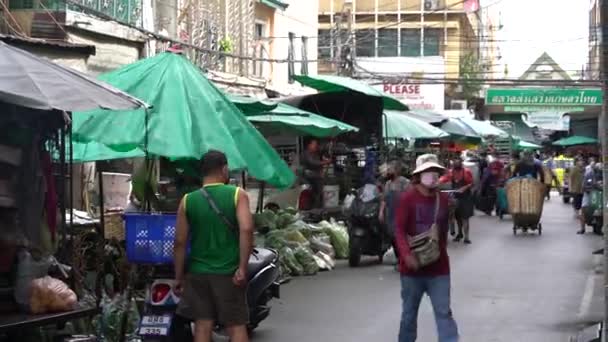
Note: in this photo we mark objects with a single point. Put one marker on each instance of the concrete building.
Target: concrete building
(595, 40)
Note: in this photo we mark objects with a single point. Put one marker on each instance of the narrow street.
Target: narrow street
(505, 288)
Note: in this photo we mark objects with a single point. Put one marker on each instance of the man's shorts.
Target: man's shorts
(577, 201)
(213, 297)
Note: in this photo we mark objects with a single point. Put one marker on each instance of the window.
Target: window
(432, 42)
(259, 48)
(410, 42)
(324, 43)
(365, 42)
(259, 30)
(387, 42)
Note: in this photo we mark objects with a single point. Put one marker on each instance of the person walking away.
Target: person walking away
(423, 209)
(490, 181)
(393, 188)
(590, 181)
(212, 280)
(461, 180)
(577, 174)
(312, 166)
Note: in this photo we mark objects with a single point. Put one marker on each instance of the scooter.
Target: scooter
(160, 323)
(593, 215)
(367, 236)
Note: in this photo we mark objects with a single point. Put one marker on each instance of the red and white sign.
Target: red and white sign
(419, 92)
(471, 6)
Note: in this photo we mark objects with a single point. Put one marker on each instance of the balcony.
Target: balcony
(46, 18)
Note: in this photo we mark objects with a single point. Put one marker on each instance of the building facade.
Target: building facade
(595, 38)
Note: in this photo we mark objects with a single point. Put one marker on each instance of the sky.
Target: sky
(531, 27)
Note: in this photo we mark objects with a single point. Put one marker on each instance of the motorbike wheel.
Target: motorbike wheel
(354, 253)
(597, 229)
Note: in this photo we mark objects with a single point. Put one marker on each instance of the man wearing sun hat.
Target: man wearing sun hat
(421, 206)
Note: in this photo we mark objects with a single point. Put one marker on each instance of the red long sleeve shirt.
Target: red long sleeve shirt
(415, 215)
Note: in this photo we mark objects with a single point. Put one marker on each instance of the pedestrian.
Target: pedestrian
(216, 222)
(424, 210)
(577, 174)
(461, 180)
(393, 188)
(590, 182)
(312, 166)
(529, 167)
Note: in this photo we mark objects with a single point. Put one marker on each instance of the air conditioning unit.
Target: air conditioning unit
(432, 5)
(458, 104)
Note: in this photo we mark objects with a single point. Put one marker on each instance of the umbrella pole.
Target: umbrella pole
(102, 221)
(71, 179)
(260, 206)
(62, 175)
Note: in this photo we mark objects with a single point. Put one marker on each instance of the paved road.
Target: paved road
(505, 288)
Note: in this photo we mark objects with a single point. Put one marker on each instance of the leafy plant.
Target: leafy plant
(470, 76)
(226, 45)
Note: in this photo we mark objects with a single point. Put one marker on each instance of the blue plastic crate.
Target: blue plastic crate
(150, 238)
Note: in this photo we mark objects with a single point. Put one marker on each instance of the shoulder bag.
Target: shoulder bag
(231, 225)
(425, 246)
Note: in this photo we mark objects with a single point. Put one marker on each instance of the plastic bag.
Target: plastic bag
(321, 263)
(28, 269)
(389, 257)
(50, 295)
(322, 244)
(328, 259)
(287, 255)
(306, 258)
(339, 237)
(275, 240)
(294, 235)
(348, 202)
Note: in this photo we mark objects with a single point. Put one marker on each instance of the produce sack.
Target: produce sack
(28, 269)
(306, 258)
(321, 263)
(294, 235)
(328, 259)
(50, 295)
(339, 237)
(322, 244)
(287, 255)
(265, 219)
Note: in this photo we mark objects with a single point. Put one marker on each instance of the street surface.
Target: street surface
(524, 288)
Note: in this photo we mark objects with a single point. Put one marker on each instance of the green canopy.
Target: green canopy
(189, 116)
(402, 126)
(94, 151)
(484, 128)
(287, 119)
(575, 140)
(331, 83)
(523, 145)
(249, 105)
(460, 131)
(427, 116)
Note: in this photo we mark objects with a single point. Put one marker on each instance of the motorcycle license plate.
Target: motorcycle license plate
(155, 325)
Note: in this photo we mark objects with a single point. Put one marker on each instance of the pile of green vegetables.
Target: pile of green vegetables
(304, 249)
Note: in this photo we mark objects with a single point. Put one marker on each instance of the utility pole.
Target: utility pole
(346, 48)
(603, 6)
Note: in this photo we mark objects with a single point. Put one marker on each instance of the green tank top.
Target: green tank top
(214, 246)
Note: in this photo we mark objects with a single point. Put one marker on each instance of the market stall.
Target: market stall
(36, 97)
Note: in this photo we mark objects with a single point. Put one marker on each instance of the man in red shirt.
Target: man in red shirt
(416, 213)
(460, 179)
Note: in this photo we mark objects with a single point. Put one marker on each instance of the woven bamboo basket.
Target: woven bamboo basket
(114, 226)
(525, 197)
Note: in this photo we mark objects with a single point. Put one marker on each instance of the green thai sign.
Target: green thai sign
(544, 99)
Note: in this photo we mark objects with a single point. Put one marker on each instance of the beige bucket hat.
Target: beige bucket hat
(427, 162)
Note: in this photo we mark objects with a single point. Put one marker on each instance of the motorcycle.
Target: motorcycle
(367, 236)
(593, 215)
(160, 323)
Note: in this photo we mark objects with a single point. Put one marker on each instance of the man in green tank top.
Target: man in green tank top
(212, 280)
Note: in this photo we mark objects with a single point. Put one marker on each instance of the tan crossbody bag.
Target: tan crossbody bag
(425, 246)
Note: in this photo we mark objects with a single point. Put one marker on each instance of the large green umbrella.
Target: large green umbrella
(460, 131)
(575, 140)
(524, 145)
(399, 125)
(331, 83)
(251, 105)
(484, 128)
(189, 116)
(287, 119)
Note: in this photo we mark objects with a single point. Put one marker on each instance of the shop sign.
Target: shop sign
(555, 121)
(544, 99)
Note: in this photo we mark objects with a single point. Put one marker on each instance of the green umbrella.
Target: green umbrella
(287, 119)
(250, 105)
(522, 145)
(189, 116)
(575, 140)
(460, 131)
(402, 126)
(484, 128)
(330, 83)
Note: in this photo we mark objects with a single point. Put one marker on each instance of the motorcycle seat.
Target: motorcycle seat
(259, 259)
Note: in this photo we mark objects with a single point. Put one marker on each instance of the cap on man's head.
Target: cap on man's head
(213, 161)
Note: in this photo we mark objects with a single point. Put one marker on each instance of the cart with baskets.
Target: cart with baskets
(525, 198)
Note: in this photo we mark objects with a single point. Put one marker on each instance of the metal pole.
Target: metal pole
(603, 5)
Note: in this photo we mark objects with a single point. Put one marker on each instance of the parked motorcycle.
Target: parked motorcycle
(593, 214)
(367, 236)
(160, 323)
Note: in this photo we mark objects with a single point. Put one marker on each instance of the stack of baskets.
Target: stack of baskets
(114, 225)
(526, 197)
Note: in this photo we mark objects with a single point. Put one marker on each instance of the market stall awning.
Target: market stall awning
(575, 140)
(525, 145)
(189, 116)
(484, 128)
(427, 116)
(459, 130)
(331, 83)
(94, 151)
(30, 81)
(285, 119)
(399, 125)
(251, 105)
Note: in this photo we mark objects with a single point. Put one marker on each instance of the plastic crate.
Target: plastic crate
(150, 237)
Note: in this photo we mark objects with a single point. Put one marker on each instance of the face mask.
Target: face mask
(429, 179)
